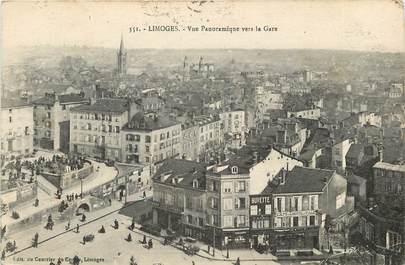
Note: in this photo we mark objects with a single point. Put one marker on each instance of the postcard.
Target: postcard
(202, 132)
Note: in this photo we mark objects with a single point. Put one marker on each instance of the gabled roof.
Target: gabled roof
(63, 99)
(13, 103)
(184, 171)
(303, 179)
(140, 121)
(388, 166)
(355, 150)
(104, 105)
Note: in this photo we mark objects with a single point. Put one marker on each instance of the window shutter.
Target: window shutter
(300, 203)
(283, 204)
(316, 202)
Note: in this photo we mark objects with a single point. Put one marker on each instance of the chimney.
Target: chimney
(380, 154)
(283, 176)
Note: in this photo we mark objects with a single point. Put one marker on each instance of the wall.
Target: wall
(265, 170)
(21, 117)
(336, 186)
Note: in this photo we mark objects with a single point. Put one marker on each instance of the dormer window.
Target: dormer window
(234, 170)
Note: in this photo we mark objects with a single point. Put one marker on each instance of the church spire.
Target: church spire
(122, 44)
(122, 58)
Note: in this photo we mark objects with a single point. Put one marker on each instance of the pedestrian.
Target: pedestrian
(59, 262)
(36, 204)
(109, 201)
(132, 261)
(129, 238)
(209, 249)
(67, 227)
(3, 253)
(237, 261)
(144, 239)
(84, 240)
(132, 226)
(76, 196)
(83, 218)
(150, 243)
(144, 194)
(14, 245)
(77, 228)
(35, 240)
(102, 230)
(116, 225)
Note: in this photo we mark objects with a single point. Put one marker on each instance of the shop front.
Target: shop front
(194, 231)
(236, 239)
(296, 239)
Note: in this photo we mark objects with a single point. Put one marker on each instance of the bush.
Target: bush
(15, 215)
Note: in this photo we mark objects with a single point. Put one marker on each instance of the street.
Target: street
(109, 248)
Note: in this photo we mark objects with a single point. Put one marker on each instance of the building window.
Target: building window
(295, 221)
(313, 202)
(228, 221)
(48, 115)
(228, 204)
(117, 129)
(214, 219)
(228, 187)
(241, 221)
(253, 210)
(200, 221)
(147, 139)
(340, 200)
(312, 220)
(241, 186)
(214, 203)
(240, 203)
(234, 170)
(279, 203)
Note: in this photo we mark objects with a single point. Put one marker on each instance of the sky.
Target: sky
(328, 24)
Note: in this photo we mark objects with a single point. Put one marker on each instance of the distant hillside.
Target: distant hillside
(349, 64)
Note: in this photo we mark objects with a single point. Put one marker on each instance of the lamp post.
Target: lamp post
(81, 187)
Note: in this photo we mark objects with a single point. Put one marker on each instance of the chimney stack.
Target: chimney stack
(380, 154)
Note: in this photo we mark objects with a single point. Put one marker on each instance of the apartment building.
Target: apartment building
(210, 134)
(234, 127)
(301, 200)
(228, 205)
(179, 197)
(388, 181)
(51, 120)
(16, 134)
(150, 138)
(190, 138)
(95, 128)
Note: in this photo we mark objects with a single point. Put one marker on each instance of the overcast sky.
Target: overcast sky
(349, 25)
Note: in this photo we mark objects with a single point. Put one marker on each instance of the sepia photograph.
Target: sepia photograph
(202, 132)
